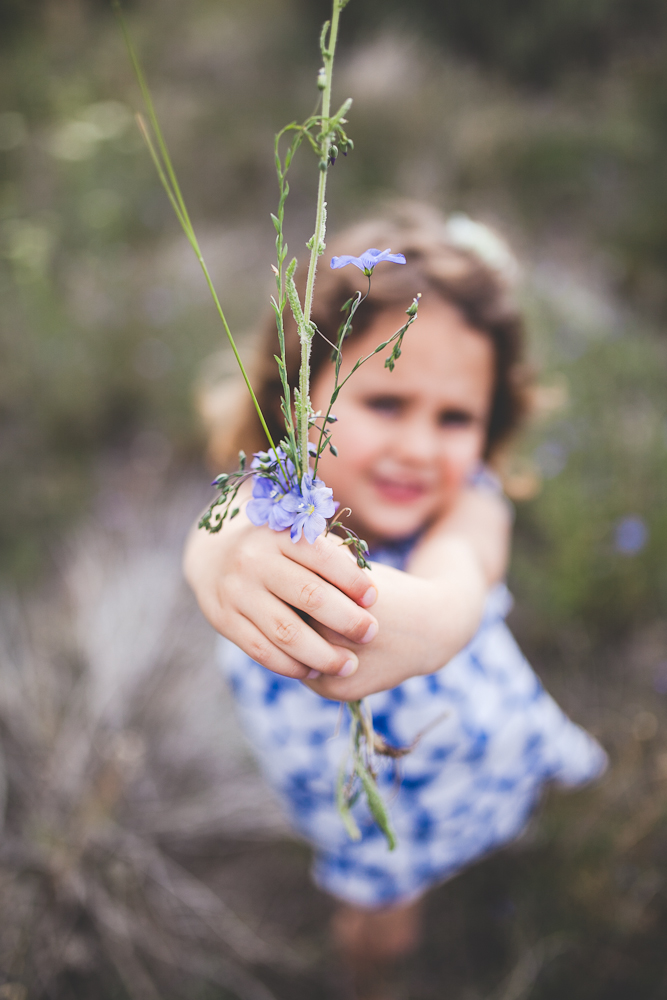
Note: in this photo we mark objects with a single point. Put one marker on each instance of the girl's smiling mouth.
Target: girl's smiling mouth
(398, 490)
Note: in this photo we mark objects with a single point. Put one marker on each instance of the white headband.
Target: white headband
(466, 234)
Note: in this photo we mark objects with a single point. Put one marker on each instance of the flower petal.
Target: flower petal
(292, 501)
(261, 488)
(394, 258)
(313, 527)
(325, 507)
(297, 527)
(345, 260)
(279, 518)
(259, 511)
(368, 259)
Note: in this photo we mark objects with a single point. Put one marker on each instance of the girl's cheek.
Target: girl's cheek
(462, 456)
(354, 454)
(360, 434)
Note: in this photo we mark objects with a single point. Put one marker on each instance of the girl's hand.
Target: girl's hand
(423, 624)
(429, 613)
(249, 581)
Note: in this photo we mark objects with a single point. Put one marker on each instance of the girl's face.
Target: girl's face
(408, 440)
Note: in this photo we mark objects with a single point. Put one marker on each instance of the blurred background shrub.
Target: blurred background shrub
(548, 120)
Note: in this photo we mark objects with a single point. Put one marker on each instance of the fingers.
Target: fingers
(283, 630)
(352, 688)
(248, 590)
(331, 560)
(322, 601)
(253, 642)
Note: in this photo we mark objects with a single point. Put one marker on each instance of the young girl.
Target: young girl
(434, 654)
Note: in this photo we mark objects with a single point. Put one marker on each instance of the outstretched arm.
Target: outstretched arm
(429, 613)
(255, 586)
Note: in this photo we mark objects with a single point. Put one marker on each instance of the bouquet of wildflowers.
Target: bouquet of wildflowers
(286, 490)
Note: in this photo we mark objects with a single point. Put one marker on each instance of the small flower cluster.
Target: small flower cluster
(280, 501)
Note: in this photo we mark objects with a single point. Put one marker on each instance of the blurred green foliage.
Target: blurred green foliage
(100, 344)
(603, 457)
(602, 166)
(530, 41)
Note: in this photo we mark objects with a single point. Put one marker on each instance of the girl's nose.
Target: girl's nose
(417, 440)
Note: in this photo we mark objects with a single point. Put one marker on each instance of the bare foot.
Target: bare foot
(372, 942)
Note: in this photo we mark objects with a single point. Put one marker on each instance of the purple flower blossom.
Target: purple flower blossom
(268, 504)
(368, 260)
(277, 498)
(309, 507)
(630, 536)
(269, 491)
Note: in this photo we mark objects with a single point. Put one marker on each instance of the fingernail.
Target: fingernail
(369, 598)
(370, 632)
(312, 674)
(348, 667)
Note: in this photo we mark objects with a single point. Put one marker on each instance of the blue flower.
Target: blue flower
(277, 498)
(630, 536)
(268, 504)
(310, 507)
(269, 491)
(368, 260)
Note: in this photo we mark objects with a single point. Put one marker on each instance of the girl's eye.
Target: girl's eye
(390, 405)
(455, 418)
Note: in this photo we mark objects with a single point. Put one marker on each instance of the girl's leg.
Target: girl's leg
(371, 942)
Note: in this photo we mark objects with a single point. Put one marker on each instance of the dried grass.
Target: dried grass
(117, 741)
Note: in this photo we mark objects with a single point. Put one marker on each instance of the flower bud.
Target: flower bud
(321, 78)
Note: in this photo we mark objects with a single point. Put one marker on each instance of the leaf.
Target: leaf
(375, 803)
(323, 36)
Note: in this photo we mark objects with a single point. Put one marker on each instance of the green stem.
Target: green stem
(169, 182)
(318, 237)
(221, 314)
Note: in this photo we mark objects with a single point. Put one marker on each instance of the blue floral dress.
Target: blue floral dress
(469, 785)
